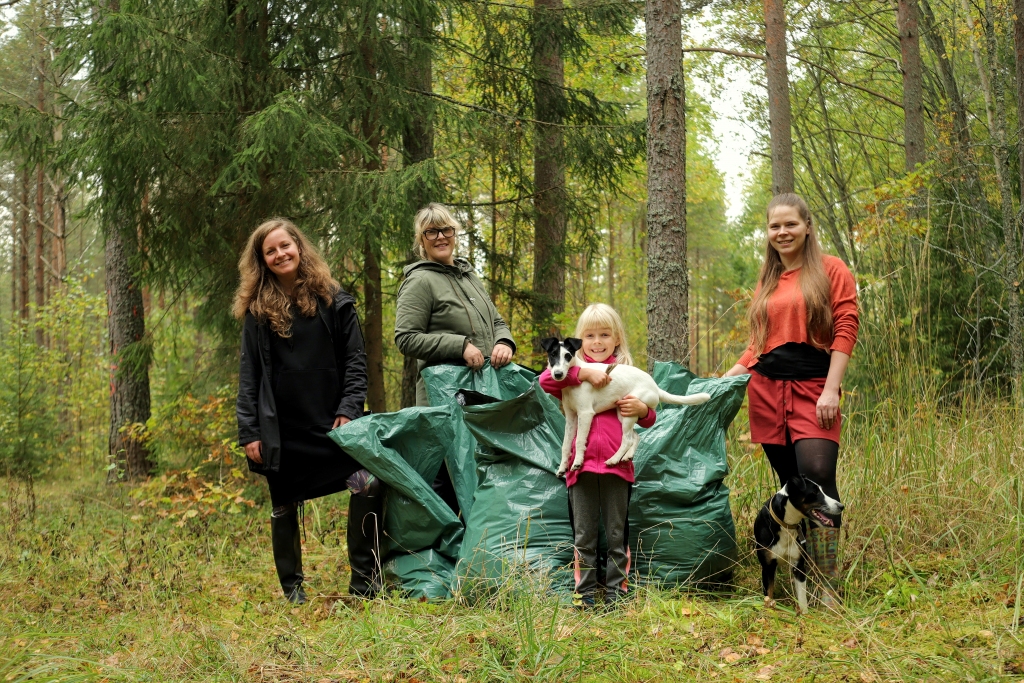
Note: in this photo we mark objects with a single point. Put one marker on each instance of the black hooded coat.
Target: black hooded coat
(290, 389)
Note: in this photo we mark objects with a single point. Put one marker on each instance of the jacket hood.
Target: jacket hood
(341, 297)
(459, 266)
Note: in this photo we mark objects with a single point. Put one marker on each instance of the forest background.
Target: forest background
(141, 142)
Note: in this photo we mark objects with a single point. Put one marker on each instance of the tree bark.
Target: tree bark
(1018, 52)
(962, 148)
(23, 268)
(667, 284)
(418, 141)
(913, 91)
(779, 110)
(39, 261)
(994, 91)
(129, 369)
(376, 398)
(548, 169)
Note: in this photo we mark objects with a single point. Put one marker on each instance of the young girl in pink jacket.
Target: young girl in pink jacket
(598, 491)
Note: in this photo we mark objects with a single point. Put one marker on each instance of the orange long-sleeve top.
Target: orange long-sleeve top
(787, 312)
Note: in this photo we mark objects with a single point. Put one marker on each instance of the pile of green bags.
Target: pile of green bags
(500, 437)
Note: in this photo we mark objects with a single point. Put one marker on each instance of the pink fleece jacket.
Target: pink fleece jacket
(605, 431)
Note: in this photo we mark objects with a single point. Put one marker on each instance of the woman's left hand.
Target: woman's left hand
(501, 354)
(828, 408)
(340, 420)
(631, 406)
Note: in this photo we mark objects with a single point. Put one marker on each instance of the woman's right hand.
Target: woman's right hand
(254, 451)
(474, 359)
(595, 377)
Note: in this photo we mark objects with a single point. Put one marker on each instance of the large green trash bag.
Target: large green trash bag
(421, 534)
(681, 526)
(519, 524)
(443, 383)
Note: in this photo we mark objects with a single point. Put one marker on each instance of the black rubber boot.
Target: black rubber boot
(284, 535)
(364, 522)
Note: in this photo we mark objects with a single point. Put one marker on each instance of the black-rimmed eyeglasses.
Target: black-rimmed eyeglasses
(432, 233)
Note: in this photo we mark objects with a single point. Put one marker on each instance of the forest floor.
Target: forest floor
(95, 586)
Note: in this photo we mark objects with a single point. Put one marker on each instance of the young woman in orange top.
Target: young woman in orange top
(803, 327)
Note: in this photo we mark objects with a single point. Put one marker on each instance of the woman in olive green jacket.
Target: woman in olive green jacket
(444, 315)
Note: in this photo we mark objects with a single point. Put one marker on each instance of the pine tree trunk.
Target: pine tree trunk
(40, 273)
(779, 110)
(23, 228)
(376, 398)
(913, 98)
(667, 284)
(418, 141)
(129, 370)
(548, 169)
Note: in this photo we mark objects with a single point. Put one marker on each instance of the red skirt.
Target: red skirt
(778, 406)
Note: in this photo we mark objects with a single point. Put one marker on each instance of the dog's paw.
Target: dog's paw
(613, 461)
(769, 603)
(560, 473)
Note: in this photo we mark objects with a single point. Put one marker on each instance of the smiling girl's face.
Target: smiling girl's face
(599, 343)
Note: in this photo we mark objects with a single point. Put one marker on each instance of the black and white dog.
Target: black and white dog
(583, 402)
(777, 534)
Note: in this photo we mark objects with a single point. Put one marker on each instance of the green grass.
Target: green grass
(93, 587)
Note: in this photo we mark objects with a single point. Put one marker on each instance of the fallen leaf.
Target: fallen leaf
(754, 640)
(762, 650)
(985, 633)
(765, 673)
(850, 643)
(868, 677)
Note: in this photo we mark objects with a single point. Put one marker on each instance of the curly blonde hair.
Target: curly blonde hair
(259, 291)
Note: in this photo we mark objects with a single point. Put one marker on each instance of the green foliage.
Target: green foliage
(52, 396)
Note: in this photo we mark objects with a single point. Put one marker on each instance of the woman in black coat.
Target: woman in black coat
(303, 373)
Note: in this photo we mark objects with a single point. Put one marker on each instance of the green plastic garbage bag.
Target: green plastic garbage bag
(443, 382)
(681, 525)
(421, 535)
(519, 522)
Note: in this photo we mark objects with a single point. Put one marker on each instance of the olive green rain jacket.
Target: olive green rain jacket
(441, 309)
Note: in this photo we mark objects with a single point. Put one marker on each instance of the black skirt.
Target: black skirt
(307, 392)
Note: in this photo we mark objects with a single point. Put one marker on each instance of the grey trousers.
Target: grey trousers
(592, 498)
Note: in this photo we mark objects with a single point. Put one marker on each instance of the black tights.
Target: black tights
(815, 459)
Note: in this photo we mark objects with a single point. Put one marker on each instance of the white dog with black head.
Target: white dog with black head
(581, 403)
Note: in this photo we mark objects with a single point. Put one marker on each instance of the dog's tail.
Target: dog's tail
(691, 400)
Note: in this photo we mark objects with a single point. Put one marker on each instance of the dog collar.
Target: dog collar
(779, 521)
(611, 366)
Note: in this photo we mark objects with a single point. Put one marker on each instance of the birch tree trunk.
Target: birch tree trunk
(548, 169)
(667, 284)
(779, 110)
(129, 369)
(913, 98)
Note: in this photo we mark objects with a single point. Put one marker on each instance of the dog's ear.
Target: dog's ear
(573, 344)
(549, 344)
(796, 484)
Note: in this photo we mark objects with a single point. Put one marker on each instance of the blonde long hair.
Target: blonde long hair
(433, 215)
(814, 283)
(259, 291)
(603, 315)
